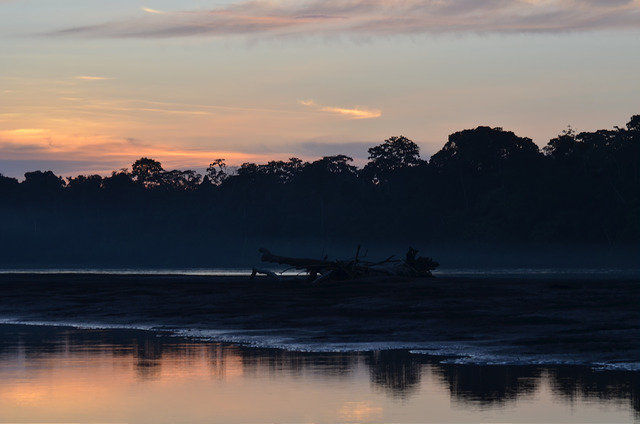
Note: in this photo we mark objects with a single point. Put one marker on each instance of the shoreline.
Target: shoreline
(480, 320)
(521, 273)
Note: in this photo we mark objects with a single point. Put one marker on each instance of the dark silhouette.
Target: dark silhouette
(40, 183)
(216, 172)
(147, 171)
(354, 268)
(486, 186)
(394, 154)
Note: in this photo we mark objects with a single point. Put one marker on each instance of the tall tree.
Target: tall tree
(485, 149)
(147, 172)
(394, 154)
(217, 172)
(44, 182)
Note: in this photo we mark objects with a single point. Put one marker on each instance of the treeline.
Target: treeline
(485, 185)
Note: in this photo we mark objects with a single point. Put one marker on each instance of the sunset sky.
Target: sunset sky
(89, 86)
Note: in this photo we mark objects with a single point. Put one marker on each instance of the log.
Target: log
(324, 270)
(298, 263)
(266, 272)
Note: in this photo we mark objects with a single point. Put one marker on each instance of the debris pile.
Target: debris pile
(325, 270)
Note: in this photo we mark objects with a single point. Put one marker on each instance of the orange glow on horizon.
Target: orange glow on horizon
(44, 144)
(76, 120)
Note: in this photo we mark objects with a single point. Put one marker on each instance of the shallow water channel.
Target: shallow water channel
(60, 374)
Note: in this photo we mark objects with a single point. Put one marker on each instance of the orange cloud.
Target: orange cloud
(24, 132)
(157, 12)
(349, 113)
(23, 139)
(90, 78)
(354, 113)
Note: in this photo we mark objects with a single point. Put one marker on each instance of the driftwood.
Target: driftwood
(323, 270)
(255, 271)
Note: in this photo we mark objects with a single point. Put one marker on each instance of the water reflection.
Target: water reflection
(148, 354)
(397, 372)
(490, 384)
(128, 368)
(573, 384)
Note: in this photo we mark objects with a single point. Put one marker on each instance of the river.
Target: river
(63, 374)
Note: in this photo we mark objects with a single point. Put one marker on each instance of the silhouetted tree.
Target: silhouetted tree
(43, 182)
(84, 184)
(395, 153)
(634, 123)
(485, 149)
(339, 164)
(217, 172)
(486, 180)
(179, 180)
(120, 182)
(563, 146)
(248, 168)
(631, 148)
(8, 184)
(284, 171)
(595, 181)
(147, 171)
(274, 171)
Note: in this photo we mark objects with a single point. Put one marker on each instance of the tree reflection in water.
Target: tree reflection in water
(148, 354)
(297, 364)
(575, 382)
(489, 384)
(397, 373)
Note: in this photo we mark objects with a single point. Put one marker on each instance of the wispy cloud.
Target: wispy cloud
(91, 78)
(176, 112)
(157, 12)
(349, 113)
(25, 132)
(375, 18)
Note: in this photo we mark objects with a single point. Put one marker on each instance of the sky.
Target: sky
(89, 86)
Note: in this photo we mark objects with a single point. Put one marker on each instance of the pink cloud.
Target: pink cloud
(375, 17)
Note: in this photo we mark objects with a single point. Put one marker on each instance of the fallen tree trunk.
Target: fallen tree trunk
(255, 271)
(324, 270)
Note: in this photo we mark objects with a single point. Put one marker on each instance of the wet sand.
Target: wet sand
(554, 320)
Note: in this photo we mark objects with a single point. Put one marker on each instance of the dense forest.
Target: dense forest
(486, 186)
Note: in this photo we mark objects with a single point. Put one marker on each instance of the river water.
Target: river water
(60, 374)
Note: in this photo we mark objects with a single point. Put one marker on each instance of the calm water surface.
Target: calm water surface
(57, 374)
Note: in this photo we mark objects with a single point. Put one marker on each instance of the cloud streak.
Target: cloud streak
(353, 113)
(374, 18)
(91, 78)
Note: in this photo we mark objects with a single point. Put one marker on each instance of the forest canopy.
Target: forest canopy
(484, 185)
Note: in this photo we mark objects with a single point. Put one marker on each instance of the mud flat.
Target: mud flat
(549, 320)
